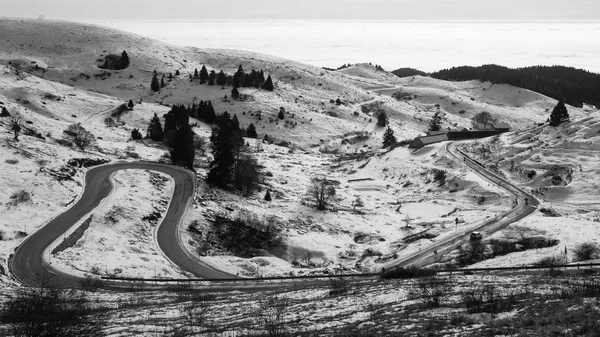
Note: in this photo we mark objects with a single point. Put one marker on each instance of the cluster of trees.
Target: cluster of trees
(177, 134)
(239, 80)
(436, 122)
(203, 111)
(116, 62)
(233, 166)
(571, 85)
(408, 72)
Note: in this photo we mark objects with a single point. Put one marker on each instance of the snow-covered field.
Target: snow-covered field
(559, 166)
(409, 198)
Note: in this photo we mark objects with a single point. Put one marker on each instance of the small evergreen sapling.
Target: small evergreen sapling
(155, 85)
(388, 138)
(382, 119)
(559, 114)
(268, 85)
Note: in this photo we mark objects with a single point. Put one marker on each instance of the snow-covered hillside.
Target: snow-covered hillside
(559, 165)
(49, 75)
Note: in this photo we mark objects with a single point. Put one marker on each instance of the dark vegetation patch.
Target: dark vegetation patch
(86, 162)
(573, 86)
(478, 251)
(407, 272)
(246, 235)
(408, 72)
(114, 61)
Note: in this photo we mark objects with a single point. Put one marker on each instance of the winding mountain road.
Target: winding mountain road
(29, 266)
(525, 205)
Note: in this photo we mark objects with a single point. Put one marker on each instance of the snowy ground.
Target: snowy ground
(119, 242)
(559, 167)
(410, 197)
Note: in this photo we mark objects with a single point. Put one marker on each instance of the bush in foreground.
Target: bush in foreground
(586, 251)
(51, 312)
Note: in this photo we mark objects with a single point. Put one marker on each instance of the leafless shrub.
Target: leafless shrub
(322, 192)
(338, 285)
(270, 315)
(586, 251)
(46, 311)
(433, 290)
(15, 124)
(20, 196)
(80, 136)
(489, 298)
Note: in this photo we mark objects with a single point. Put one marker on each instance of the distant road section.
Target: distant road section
(28, 264)
(526, 204)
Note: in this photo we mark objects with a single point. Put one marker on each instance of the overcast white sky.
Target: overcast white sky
(567, 10)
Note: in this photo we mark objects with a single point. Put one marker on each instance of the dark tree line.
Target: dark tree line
(179, 137)
(241, 78)
(408, 72)
(233, 167)
(203, 111)
(567, 84)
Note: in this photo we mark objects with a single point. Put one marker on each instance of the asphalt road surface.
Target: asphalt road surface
(29, 266)
(526, 204)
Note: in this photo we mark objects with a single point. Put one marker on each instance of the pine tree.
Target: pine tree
(221, 79)
(221, 168)
(196, 73)
(388, 138)
(382, 119)
(234, 124)
(436, 122)
(559, 114)
(267, 196)
(268, 85)
(181, 147)
(251, 131)
(155, 131)
(136, 134)
(235, 93)
(4, 112)
(212, 77)
(155, 85)
(130, 105)
(162, 82)
(177, 73)
(203, 75)
(281, 115)
(357, 202)
(124, 60)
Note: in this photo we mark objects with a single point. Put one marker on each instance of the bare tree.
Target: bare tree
(80, 136)
(271, 312)
(484, 118)
(322, 192)
(45, 311)
(15, 124)
(433, 290)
